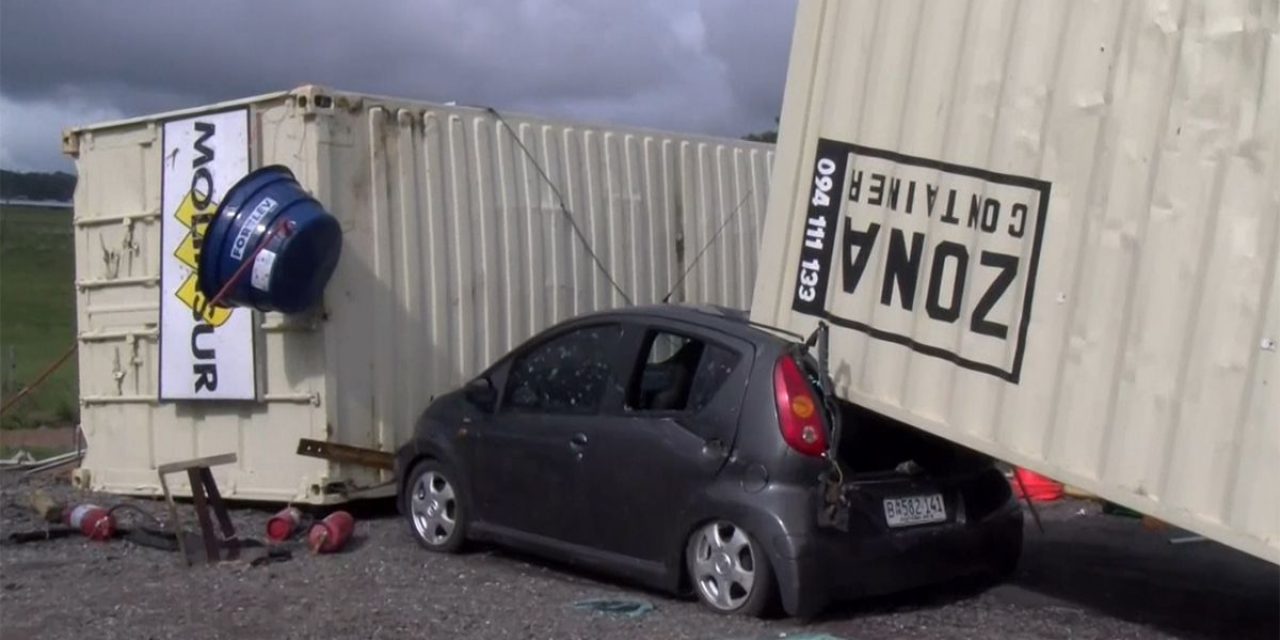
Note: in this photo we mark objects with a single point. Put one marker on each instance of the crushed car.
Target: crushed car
(686, 449)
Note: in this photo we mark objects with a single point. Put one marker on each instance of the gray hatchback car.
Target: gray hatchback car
(686, 449)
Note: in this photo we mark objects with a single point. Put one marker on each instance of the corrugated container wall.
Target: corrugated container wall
(456, 249)
(1049, 231)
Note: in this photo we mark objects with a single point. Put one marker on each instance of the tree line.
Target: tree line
(17, 185)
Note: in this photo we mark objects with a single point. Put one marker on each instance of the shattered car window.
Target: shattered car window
(717, 363)
(568, 374)
(679, 374)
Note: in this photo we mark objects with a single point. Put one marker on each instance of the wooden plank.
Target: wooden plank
(220, 512)
(211, 547)
(207, 461)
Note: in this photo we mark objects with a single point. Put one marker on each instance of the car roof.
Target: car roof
(729, 320)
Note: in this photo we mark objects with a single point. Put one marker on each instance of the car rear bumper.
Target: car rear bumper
(830, 565)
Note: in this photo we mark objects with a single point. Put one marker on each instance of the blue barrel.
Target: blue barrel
(287, 244)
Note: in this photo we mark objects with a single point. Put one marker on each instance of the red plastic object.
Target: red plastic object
(331, 534)
(282, 525)
(1039, 488)
(96, 523)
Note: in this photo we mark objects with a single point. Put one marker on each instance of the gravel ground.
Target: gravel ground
(1087, 576)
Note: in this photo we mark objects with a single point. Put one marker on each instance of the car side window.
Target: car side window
(567, 374)
(678, 373)
(717, 363)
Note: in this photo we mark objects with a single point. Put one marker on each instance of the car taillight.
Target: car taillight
(799, 414)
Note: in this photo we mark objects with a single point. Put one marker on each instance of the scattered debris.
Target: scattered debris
(96, 523)
(205, 495)
(331, 534)
(46, 508)
(56, 462)
(20, 459)
(40, 535)
(152, 538)
(144, 529)
(616, 608)
(284, 524)
(271, 555)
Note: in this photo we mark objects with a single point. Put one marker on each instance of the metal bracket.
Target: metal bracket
(334, 452)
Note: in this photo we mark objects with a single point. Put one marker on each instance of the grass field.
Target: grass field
(37, 313)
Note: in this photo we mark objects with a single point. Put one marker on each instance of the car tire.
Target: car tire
(729, 570)
(436, 507)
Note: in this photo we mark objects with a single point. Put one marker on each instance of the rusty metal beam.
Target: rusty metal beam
(347, 454)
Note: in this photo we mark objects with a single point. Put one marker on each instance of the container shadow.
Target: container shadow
(1117, 568)
(1114, 565)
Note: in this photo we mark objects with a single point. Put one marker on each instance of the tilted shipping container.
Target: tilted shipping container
(456, 248)
(1048, 231)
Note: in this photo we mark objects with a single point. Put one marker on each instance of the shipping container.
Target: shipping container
(1048, 231)
(466, 231)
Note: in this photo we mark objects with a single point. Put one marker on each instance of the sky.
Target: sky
(700, 66)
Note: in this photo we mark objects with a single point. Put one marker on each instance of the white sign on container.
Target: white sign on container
(916, 242)
(205, 353)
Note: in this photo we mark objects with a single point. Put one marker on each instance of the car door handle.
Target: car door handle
(578, 441)
(713, 448)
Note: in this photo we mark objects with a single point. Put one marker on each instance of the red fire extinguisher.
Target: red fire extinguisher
(96, 523)
(331, 534)
(282, 525)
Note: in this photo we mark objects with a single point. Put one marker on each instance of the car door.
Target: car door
(525, 473)
(666, 439)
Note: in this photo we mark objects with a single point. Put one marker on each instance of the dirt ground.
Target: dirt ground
(44, 439)
(1087, 576)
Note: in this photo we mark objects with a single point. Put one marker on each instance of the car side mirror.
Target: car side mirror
(481, 393)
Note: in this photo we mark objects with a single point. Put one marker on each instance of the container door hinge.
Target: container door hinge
(110, 260)
(117, 372)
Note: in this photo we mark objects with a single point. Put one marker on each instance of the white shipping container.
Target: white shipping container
(1048, 231)
(455, 250)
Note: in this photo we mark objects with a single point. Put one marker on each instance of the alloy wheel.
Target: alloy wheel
(723, 565)
(433, 507)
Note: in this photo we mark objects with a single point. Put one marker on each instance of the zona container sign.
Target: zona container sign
(895, 241)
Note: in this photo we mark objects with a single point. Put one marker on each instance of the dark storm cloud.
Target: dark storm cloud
(754, 41)
(714, 67)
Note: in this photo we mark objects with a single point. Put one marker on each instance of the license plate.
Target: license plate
(912, 510)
